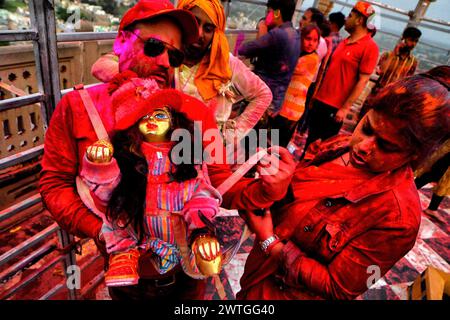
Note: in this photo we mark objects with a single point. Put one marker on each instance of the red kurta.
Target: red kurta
(341, 222)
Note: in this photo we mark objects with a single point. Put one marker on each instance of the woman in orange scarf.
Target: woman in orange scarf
(214, 70)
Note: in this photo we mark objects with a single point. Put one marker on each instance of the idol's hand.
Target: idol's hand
(100, 152)
(207, 253)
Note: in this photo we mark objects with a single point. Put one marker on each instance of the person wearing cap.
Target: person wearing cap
(150, 40)
(211, 73)
(349, 68)
(394, 65)
(70, 130)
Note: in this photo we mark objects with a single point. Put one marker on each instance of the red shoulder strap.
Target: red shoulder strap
(96, 121)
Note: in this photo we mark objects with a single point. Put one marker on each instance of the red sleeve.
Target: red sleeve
(348, 275)
(59, 169)
(247, 194)
(369, 59)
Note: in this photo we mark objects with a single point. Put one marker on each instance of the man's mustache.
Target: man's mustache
(144, 70)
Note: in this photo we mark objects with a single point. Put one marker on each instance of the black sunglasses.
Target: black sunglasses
(154, 47)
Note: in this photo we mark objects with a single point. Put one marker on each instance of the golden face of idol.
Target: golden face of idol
(155, 125)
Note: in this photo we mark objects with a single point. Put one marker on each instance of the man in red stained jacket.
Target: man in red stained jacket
(342, 222)
(354, 210)
(71, 132)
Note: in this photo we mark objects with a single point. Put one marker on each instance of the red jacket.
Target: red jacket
(341, 226)
(69, 134)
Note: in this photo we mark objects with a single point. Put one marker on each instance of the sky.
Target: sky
(439, 9)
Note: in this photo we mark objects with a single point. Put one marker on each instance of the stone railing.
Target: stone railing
(22, 128)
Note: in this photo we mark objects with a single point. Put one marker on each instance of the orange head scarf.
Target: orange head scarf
(215, 71)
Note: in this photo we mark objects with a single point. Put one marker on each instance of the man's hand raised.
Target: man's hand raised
(276, 170)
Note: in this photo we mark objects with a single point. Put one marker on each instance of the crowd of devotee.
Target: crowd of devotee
(334, 204)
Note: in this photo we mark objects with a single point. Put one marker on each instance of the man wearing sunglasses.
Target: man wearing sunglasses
(152, 48)
(149, 43)
(211, 73)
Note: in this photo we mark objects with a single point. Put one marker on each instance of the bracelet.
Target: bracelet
(266, 243)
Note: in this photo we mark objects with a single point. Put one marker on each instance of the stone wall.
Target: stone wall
(22, 128)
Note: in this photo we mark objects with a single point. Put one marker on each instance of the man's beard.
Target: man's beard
(195, 54)
(349, 29)
(161, 75)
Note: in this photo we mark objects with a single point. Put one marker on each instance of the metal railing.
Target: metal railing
(43, 35)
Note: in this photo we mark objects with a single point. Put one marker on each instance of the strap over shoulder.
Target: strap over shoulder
(92, 111)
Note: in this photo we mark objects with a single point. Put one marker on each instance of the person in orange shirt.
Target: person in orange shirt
(293, 105)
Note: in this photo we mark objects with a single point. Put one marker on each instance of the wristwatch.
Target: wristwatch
(266, 243)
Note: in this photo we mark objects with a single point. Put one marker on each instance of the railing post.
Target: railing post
(65, 239)
(418, 14)
(42, 15)
(298, 6)
(227, 8)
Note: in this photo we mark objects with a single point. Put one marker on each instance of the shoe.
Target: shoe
(123, 269)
